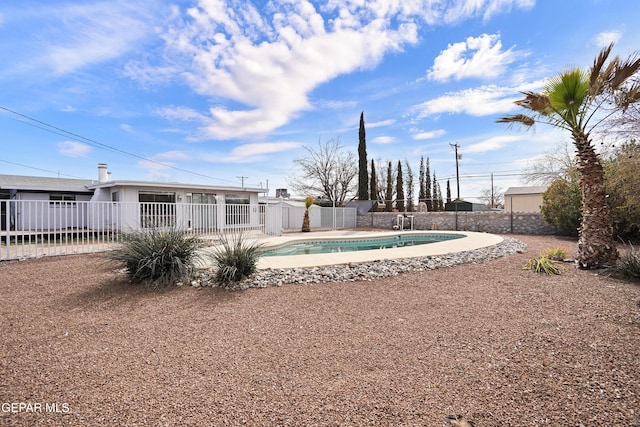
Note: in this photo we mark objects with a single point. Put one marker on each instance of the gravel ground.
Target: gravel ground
(492, 342)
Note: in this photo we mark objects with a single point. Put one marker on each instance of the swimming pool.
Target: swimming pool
(308, 247)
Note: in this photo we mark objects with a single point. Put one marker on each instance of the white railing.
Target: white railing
(35, 228)
(324, 218)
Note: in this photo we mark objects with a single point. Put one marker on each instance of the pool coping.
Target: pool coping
(471, 241)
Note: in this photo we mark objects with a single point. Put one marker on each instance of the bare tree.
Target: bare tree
(327, 172)
(493, 198)
(551, 166)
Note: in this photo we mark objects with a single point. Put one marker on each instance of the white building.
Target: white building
(59, 203)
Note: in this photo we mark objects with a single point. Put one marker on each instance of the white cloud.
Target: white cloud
(73, 149)
(492, 144)
(605, 38)
(256, 151)
(381, 123)
(482, 101)
(159, 165)
(87, 34)
(429, 135)
(172, 156)
(480, 57)
(180, 113)
(385, 140)
(127, 128)
(267, 64)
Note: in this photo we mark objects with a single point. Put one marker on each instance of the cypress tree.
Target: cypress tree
(363, 175)
(389, 193)
(427, 189)
(374, 186)
(399, 189)
(422, 195)
(448, 191)
(434, 199)
(409, 193)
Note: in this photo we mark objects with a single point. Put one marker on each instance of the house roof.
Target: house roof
(41, 183)
(176, 185)
(538, 189)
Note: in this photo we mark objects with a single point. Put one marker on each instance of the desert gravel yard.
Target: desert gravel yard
(494, 343)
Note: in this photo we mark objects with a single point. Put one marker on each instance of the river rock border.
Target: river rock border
(361, 271)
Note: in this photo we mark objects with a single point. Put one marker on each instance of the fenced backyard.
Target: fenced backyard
(36, 228)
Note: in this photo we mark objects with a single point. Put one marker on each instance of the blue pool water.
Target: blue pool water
(350, 245)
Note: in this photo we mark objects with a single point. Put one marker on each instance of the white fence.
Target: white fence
(30, 228)
(35, 228)
(320, 218)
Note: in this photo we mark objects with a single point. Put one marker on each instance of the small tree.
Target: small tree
(409, 193)
(388, 196)
(374, 186)
(327, 171)
(363, 174)
(435, 198)
(431, 201)
(622, 174)
(422, 195)
(579, 101)
(306, 225)
(561, 204)
(448, 191)
(399, 189)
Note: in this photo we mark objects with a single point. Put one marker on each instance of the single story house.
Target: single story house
(43, 203)
(524, 199)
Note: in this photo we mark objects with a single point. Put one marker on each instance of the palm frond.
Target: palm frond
(518, 118)
(623, 71)
(628, 97)
(595, 79)
(535, 102)
(567, 94)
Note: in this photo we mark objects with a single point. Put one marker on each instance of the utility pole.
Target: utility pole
(458, 157)
(242, 178)
(493, 203)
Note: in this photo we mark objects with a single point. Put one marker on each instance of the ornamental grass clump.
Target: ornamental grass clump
(556, 254)
(157, 257)
(235, 258)
(542, 264)
(628, 264)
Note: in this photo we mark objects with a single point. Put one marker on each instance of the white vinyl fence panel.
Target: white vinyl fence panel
(35, 228)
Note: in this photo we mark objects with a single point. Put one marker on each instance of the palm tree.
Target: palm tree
(578, 102)
(306, 225)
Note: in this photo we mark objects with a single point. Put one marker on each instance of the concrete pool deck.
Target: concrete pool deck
(472, 240)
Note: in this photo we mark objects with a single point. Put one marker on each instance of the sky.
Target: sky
(232, 92)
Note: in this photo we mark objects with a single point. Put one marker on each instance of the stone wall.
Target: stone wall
(487, 221)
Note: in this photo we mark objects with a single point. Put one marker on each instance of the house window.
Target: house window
(58, 198)
(157, 197)
(203, 198)
(115, 196)
(237, 209)
(157, 209)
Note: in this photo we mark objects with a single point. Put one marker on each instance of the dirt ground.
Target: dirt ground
(492, 342)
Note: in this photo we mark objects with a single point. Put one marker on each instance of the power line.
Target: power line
(79, 138)
(40, 169)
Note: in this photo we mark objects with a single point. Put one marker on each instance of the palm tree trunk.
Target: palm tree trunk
(306, 226)
(596, 244)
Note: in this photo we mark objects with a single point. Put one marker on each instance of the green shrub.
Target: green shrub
(235, 258)
(157, 257)
(629, 263)
(542, 264)
(557, 254)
